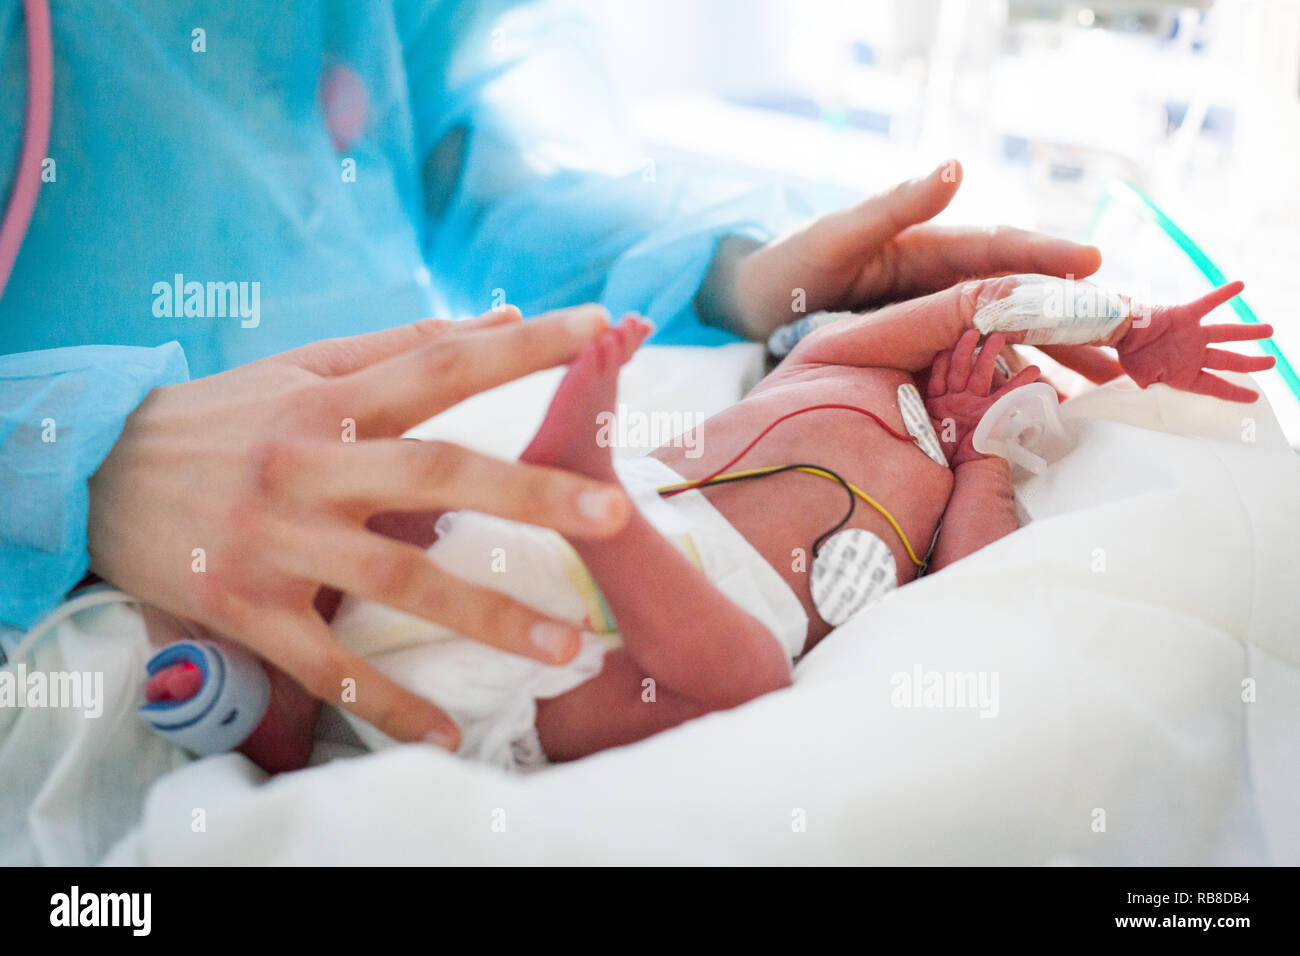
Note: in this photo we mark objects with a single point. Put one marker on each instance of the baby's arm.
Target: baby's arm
(981, 508)
(1156, 344)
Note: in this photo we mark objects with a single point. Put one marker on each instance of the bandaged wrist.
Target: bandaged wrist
(1054, 312)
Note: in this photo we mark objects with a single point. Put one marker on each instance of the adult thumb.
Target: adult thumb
(875, 221)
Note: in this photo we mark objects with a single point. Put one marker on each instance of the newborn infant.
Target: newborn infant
(830, 484)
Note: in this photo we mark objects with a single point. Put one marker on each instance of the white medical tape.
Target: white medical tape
(1054, 312)
(853, 570)
(918, 424)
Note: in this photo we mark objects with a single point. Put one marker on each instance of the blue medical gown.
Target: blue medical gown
(467, 155)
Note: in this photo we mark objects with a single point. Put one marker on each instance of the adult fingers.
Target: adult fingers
(395, 394)
(387, 475)
(1005, 249)
(402, 577)
(1226, 361)
(303, 646)
(340, 356)
(868, 225)
(493, 318)
(931, 258)
(962, 354)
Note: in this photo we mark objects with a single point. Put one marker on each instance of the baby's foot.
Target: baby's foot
(281, 741)
(568, 435)
(284, 738)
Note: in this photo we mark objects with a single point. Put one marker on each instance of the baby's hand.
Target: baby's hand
(958, 395)
(1172, 347)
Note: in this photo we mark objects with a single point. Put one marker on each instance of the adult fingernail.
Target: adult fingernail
(587, 321)
(555, 640)
(443, 739)
(600, 506)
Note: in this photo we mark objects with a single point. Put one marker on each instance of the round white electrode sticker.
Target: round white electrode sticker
(853, 570)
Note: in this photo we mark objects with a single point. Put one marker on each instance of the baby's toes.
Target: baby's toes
(625, 338)
(609, 349)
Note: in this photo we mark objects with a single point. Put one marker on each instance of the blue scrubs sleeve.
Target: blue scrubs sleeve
(534, 193)
(61, 410)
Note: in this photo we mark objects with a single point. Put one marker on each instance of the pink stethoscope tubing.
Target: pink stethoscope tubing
(36, 135)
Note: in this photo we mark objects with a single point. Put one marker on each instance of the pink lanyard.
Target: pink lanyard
(36, 135)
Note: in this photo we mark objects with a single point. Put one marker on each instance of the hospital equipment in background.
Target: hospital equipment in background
(1134, 199)
(1053, 106)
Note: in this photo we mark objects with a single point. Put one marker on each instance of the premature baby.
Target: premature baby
(831, 483)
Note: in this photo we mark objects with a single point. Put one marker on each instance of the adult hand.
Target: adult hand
(880, 251)
(233, 499)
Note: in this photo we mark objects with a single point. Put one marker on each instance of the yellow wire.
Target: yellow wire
(812, 471)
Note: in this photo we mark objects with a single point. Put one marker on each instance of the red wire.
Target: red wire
(811, 408)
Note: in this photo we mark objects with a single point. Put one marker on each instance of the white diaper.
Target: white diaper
(492, 694)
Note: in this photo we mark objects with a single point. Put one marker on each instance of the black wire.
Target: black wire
(821, 539)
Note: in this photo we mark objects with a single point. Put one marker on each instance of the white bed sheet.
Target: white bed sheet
(1120, 736)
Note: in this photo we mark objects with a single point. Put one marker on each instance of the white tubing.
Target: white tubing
(94, 597)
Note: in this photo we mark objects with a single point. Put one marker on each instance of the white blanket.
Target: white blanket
(1121, 629)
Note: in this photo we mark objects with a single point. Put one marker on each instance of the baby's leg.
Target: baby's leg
(618, 706)
(283, 739)
(677, 627)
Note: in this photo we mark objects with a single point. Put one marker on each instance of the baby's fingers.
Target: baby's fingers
(981, 376)
(1236, 332)
(939, 375)
(962, 355)
(1226, 361)
(1025, 376)
(1215, 387)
